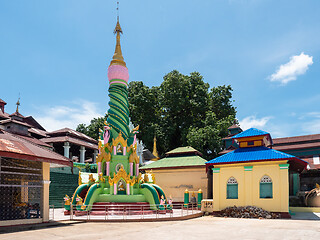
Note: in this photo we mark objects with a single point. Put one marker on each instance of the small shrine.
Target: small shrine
(117, 178)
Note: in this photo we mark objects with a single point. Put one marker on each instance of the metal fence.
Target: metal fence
(21, 189)
(125, 212)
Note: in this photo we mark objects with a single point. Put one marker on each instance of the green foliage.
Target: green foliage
(92, 130)
(181, 112)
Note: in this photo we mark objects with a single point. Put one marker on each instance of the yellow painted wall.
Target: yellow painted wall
(249, 184)
(175, 181)
(46, 183)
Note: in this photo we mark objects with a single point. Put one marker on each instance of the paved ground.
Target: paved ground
(199, 228)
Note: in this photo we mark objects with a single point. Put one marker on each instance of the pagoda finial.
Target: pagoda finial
(155, 152)
(117, 58)
(18, 104)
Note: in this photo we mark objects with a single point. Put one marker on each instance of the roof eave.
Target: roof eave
(35, 158)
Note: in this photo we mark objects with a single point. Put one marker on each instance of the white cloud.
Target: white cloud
(57, 117)
(312, 126)
(253, 121)
(288, 72)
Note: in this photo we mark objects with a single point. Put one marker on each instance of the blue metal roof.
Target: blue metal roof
(251, 132)
(251, 154)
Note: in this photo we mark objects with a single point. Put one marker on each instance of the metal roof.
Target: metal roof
(14, 146)
(183, 150)
(69, 131)
(252, 154)
(251, 132)
(71, 139)
(171, 162)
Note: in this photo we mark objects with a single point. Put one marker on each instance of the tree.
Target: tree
(182, 112)
(92, 130)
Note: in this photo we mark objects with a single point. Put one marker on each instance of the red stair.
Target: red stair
(118, 208)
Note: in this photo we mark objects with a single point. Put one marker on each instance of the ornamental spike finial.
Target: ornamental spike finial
(18, 104)
(117, 58)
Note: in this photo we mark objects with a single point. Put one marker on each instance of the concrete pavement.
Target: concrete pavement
(201, 228)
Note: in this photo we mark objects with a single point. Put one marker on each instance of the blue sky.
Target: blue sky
(56, 54)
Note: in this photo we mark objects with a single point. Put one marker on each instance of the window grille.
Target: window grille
(232, 188)
(232, 180)
(21, 189)
(266, 187)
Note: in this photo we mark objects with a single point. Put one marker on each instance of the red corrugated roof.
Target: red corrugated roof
(301, 146)
(303, 138)
(38, 132)
(234, 126)
(36, 141)
(16, 147)
(72, 132)
(71, 140)
(15, 121)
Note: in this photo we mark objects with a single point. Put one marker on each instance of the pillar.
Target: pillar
(248, 188)
(114, 150)
(131, 169)
(99, 167)
(124, 151)
(137, 169)
(115, 190)
(284, 188)
(95, 154)
(45, 192)
(216, 189)
(66, 147)
(82, 154)
(128, 188)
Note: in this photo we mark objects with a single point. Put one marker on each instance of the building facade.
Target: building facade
(254, 174)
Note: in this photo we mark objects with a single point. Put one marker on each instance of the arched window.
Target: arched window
(266, 187)
(232, 188)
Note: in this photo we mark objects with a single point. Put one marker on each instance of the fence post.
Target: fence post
(71, 211)
(186, 198)
(200, 197)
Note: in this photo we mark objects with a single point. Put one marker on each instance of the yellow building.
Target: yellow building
(254, 174)
(182, 168)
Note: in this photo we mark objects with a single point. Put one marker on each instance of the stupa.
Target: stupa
(117, 178)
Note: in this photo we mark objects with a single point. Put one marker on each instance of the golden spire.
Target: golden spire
(18, 104)
(155, 152)
(117, 58)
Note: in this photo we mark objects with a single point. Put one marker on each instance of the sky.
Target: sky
(55, 54)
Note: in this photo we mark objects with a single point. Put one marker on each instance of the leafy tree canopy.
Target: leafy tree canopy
(182, 111)
(92, 130)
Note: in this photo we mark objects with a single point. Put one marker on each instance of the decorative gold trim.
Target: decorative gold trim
(66, 200)
(79, 179)
(117, 58)
(133, 156)
(139, 177)
(101, 178)
(91, 179)
(120, 140)
(103, 154)
(80, 202)
(122, 174)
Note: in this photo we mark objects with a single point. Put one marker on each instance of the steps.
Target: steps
(121, 208)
